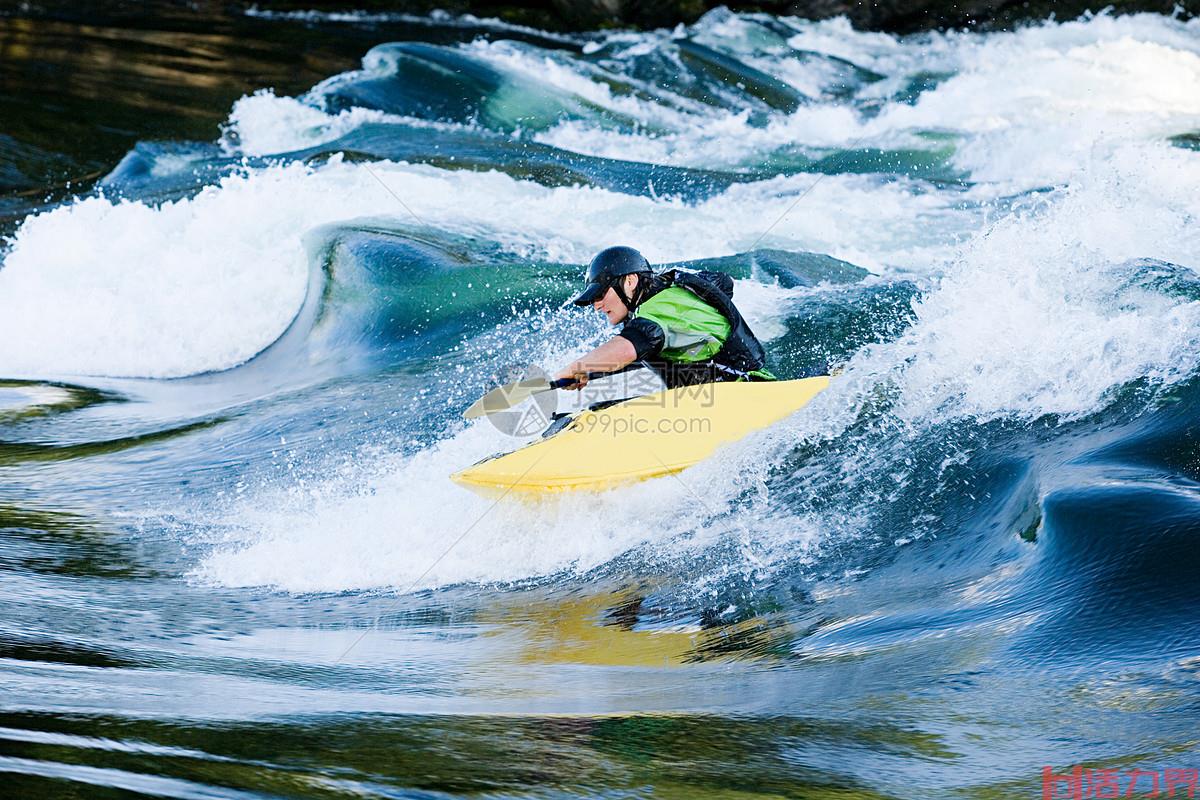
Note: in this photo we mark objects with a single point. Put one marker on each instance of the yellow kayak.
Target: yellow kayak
(640, 438)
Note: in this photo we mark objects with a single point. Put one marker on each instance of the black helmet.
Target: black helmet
(606, 268)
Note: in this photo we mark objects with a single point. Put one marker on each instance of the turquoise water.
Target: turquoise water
(233, 364)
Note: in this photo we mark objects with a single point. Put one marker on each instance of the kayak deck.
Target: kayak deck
(641, 438)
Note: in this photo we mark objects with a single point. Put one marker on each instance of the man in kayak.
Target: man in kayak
(681, 324)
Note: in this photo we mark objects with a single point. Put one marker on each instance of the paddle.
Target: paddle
(517, 392)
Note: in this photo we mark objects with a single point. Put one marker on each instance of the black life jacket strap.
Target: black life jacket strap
(639, 294)
(741, 338)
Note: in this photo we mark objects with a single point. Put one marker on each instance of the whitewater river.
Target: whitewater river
(233, 365)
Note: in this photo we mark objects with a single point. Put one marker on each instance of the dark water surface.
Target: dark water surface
(254, 273)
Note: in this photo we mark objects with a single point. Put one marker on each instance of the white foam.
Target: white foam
(406, 527)
(32, 397)
(1037, 115)
(1027, 108)
(1041, 315)
(109, 288)
(99, 287)
(263, 124)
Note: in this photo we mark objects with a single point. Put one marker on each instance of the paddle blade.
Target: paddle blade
(507, 396)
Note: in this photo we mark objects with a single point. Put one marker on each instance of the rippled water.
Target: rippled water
(232, 371)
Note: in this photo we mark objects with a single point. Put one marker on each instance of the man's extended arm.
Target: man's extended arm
(617, 352)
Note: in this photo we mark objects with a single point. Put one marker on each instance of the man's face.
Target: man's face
(611, 306)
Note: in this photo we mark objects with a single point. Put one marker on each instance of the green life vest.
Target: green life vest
(692, 329)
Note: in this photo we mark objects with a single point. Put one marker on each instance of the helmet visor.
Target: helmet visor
(591, 293)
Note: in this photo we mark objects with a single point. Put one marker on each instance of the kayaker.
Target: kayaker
(681, 324)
